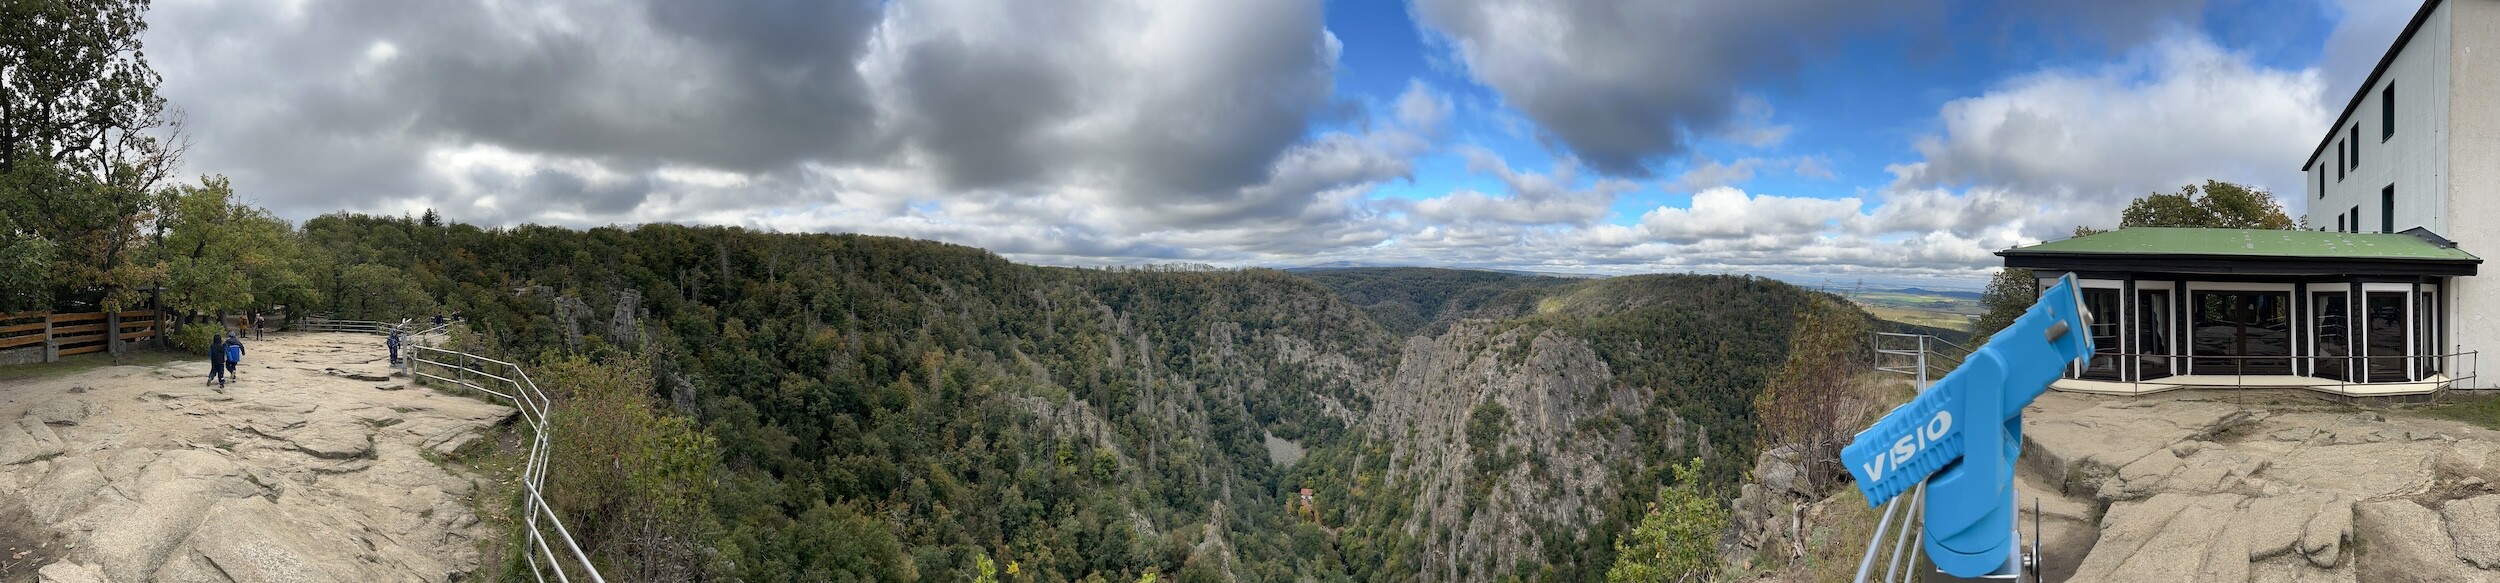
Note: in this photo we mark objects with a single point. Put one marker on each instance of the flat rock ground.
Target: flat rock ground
(297, 472)
(2258, 486)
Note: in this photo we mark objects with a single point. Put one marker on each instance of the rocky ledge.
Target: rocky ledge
(293, 474)
(2258, 486)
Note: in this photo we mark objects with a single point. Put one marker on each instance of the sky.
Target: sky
(1899, 142)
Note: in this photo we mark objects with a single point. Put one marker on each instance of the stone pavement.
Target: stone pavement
(298, 472)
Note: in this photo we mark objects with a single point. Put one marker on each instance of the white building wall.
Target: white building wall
(2414, 160)
(2473, 195)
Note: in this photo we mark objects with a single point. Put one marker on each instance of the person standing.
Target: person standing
(217, 363)
(234, 357)
(393, 342)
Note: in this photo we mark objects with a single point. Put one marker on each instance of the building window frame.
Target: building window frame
(2387, 112)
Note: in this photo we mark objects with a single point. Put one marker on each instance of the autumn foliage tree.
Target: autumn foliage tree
(1815, 403)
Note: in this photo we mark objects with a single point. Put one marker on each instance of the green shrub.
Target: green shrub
(1678, 539)
(196, 338)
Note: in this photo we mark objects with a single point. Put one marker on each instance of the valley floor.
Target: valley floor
(298, 472)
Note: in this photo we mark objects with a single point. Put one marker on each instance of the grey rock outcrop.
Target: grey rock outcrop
(2265, 486)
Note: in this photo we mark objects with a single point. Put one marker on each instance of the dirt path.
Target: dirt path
(298, 472)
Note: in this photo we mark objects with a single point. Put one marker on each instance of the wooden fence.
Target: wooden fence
(45, 336)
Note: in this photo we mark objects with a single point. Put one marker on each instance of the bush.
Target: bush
(196, 338)
(633, 482)
(1678, 540)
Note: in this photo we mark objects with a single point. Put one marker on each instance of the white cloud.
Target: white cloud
(1728, 213)
(1422, 108)
(2178, 112)
(1533, 199)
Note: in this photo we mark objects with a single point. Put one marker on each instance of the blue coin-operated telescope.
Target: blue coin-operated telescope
(1963, 434)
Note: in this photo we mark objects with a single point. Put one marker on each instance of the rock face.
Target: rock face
(2263, 486)
(287, 476)
(1546, 385)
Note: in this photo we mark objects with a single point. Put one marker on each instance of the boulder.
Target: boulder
(27, 440)
(66, 490)
(333, 439)
(2274, 525)
(2474, 523)
(68, 572)
(61, 411)
(2406, 543)
(2169, 537)
(2322, 539)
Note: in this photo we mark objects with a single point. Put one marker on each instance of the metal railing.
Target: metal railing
(515, 387)
(1923, 356)
(2455, 369)
(318, 324)
(1926, 358)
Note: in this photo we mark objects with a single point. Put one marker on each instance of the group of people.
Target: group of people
(224, 357)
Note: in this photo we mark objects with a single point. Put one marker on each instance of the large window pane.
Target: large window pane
(2102, 304)
(2334, 330)
(2236, 330)
(2385, 337)
(2152, 334)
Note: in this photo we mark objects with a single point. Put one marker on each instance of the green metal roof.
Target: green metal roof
(2252, 243)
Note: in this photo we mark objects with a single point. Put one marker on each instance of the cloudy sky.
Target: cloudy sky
(1899, 141)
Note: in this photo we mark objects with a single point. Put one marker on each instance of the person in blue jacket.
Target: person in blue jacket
(393, 342)
(217, 364)
(234, 355)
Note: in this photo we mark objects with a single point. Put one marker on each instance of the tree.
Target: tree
(1813, 404)
(93, 228)
(223, 256)
(1678, 540)
(77, 92)
(2011, 291)
(80, 149)
(2219, 204)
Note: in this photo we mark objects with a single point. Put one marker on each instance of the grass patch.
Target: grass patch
(70, 365)
(2483, 410)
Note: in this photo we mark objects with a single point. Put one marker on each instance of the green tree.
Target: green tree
(223, 256)
(2009, 292)
(1678, 540)
(2220, 205)
(77, 92)
(631, 481)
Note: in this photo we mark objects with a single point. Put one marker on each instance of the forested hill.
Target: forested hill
(872, 408)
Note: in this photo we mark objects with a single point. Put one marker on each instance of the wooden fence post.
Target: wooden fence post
(51, 346)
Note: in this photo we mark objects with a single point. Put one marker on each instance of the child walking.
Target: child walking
(234, 356)
(217, 365)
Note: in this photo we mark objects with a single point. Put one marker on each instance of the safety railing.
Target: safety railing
(540, 525)
(542, 529)
(1922, 356)
(1925, 358)
(355, 326)
(2353, 375)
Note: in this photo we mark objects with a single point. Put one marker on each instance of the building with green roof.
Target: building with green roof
(2341, 312)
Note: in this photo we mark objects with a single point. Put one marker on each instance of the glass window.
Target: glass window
(2385, 337)
(2387, 209)
(2102, 304)
(2152, 334)
(2387, 112)
(2426, 333)
(2236, 330)
(2333, 327)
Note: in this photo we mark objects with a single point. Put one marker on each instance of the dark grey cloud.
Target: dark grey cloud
(1624, 84)
(1154, 100)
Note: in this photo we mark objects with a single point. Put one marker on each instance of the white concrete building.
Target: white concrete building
(2379, 297)
(2418, 146)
